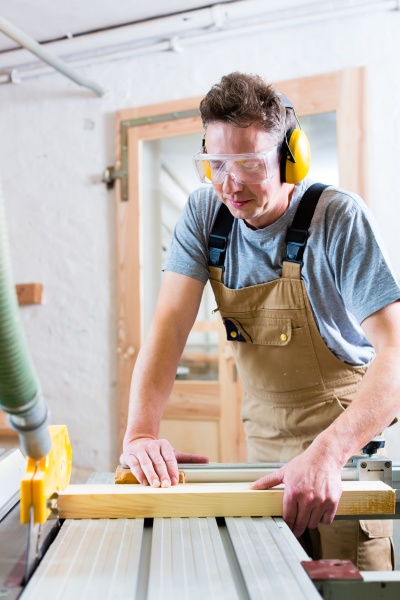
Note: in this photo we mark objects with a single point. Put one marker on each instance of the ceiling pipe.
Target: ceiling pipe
(27, 42)
(220, 21)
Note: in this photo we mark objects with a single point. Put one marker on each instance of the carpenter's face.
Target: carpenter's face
(258, 204)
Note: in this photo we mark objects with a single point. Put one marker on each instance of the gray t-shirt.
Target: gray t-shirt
(346, 273)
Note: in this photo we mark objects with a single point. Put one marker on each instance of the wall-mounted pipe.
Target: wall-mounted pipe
(27, 42)
(219, 21)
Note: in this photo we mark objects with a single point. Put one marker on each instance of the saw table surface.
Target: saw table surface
(158, 557)
(249, 558)
(172, 558)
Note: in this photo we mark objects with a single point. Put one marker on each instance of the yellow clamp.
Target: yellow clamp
(45, 476)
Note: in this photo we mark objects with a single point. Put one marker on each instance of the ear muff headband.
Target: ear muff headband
(296, 154)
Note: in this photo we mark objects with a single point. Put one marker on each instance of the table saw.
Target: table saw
(180, 557)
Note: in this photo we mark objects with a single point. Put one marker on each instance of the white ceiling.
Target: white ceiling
(47, 20)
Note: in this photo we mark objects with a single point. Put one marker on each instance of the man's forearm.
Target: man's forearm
(154, 374)
(152, 381)
(375, 406)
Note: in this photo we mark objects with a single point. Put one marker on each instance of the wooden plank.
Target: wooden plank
(5, 428)
(194, 399)
(159, 109)
(208, 500)
(193, 358)
(8, 432)
(29, 293)
(124, 475)
(205, 326)
(193, 435)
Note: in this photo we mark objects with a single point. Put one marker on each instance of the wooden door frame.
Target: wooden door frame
(342, 92)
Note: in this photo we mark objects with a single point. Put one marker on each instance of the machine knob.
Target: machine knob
(373, 445)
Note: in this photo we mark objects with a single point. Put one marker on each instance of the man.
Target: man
(304, 328)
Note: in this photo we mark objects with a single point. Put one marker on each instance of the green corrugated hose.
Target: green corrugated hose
(20, 394)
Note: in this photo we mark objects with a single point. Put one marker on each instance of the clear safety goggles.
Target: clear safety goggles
(243, 168)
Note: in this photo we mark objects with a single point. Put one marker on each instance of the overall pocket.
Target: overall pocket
(271, 355)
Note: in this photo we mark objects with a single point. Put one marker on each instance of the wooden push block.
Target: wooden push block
(123, 474)
(29, 293)
(208, 500)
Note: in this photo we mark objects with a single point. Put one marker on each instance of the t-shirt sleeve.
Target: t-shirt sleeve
(188, 254)
(361, 268)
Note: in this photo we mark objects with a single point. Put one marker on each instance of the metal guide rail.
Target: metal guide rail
(360, 468)
(210, 472)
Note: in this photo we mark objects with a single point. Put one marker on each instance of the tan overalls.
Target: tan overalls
(294, 388)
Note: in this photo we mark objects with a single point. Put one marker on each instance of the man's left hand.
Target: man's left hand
(313, 487)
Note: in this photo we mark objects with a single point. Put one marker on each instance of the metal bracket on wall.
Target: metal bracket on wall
(110, 173)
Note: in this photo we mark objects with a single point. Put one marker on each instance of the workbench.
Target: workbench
(179, 558)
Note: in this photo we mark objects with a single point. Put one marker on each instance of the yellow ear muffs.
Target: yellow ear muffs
(296, 156)
(207, 170)
(206, 164)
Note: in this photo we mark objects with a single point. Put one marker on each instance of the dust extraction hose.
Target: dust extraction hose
(20, 394)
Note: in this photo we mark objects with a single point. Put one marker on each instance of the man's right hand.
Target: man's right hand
(155, 462)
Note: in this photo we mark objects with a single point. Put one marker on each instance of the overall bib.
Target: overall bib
(294, 386)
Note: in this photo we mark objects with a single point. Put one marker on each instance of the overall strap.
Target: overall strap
(297, 233)
(296, 236)
(217, 242)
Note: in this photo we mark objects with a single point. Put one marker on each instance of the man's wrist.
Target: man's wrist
(330, 450)
(134, 437)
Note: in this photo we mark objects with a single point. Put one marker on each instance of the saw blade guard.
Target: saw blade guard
(43, 479)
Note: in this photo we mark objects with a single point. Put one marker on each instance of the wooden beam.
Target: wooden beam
(5, 428)
(123, 475)
(208, 500)
(29, 293)
(193, 399)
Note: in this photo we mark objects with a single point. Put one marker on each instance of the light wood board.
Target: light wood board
(208, 500)
(29, 293)
(123, 475)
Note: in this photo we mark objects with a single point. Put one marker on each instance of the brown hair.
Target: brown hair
(243, 99)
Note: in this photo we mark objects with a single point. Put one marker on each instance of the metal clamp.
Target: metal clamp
(51, 504)
(375, 469)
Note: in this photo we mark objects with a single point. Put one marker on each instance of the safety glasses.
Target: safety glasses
(243, 168)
